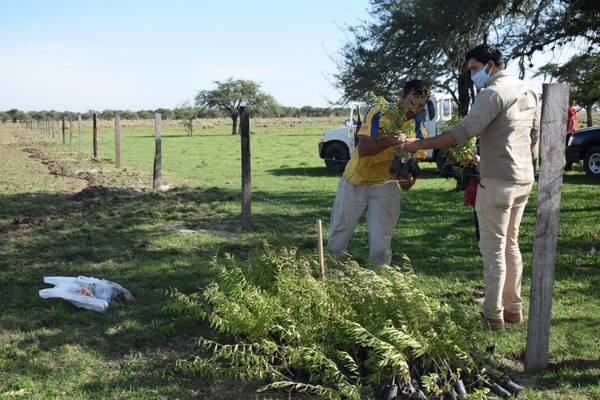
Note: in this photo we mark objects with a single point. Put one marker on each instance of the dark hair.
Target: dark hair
(418, 86)
(484, 53)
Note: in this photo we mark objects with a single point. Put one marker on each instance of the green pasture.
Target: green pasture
(50, 349)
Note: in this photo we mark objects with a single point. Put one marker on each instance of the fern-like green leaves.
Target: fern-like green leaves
(337, 338)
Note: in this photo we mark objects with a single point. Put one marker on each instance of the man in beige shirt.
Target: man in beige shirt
(505, 118)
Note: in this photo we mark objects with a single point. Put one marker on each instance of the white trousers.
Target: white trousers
(381, 205)
(500, 207)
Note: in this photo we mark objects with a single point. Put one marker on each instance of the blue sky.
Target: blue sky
(80, 55)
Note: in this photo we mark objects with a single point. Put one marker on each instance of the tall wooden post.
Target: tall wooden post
(79, 129)
(157, 154)
(555, 99)
(320, 248)
(64, 140)
(118, 140)
(246, 170)
(95, 136)
(70, 132)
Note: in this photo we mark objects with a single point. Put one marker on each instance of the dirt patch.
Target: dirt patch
(23, 223)
(57, 168)
(90, 192)
(52, 213)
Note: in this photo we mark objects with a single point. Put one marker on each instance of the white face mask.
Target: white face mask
(481, 77)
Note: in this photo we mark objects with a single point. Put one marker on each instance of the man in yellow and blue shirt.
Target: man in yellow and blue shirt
(367, 187)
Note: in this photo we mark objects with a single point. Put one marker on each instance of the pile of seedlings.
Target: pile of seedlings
(359, 333)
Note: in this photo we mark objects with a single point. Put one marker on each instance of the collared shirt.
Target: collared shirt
(373, 169)
(505, 116)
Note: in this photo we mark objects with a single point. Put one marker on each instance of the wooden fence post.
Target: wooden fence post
(555, 99)
(70, 132)
(246, 170)
(320, 248)
(64, 139)
(79, 129)
(157, 153)
(95, 136)
(118, 140)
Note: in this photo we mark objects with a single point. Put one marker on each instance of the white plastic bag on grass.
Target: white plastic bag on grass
(85, 292)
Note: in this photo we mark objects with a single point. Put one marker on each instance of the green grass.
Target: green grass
(582, 119)
(49, 349)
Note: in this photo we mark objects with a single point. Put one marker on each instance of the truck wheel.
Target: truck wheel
(336, 157)
(591, 162)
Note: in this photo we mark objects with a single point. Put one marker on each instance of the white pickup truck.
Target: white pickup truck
(337, 144)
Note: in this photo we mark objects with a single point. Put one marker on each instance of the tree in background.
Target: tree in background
(582, 73)
(416, 39)
(17, 115)
(422, 39)
(127, 114)
(229, 95)
(552, 24)
(145, 114)
(107, 114)
(183, 112)
(187, 113)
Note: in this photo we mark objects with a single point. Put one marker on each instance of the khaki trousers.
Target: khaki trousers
(381, 205)
(500, 207)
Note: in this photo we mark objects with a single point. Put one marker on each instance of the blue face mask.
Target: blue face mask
(481, 77)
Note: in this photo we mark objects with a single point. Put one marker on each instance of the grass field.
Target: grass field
(49, 226)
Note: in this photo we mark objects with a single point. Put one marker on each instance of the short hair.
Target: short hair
(418, 86)
(484, 53)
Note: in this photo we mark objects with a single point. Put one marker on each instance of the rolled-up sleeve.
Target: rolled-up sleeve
(484, 110)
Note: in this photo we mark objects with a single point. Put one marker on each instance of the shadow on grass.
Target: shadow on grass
(120, 235)
(304, 171)
(576, 364)
(429, 173)
(580, 179)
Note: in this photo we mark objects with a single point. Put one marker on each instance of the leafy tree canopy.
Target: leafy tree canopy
(229, 95)
(582, 73)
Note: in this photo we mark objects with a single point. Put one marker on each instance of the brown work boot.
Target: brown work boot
(493, 324)
(513, 318)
